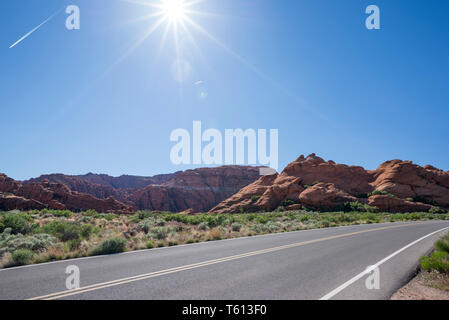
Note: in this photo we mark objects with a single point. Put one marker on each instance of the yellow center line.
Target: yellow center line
(98, 286)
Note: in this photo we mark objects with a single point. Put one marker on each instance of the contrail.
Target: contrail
(29, 33)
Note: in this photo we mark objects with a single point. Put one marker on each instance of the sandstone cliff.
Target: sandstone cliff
(311, 182)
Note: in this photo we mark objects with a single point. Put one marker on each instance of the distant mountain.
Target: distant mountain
(198, 190)
(311, 182)
(46, 194)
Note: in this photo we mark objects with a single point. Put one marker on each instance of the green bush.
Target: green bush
(288, 202)
(356, 207)
(439, 261)
(87, 230)
(18, 222)
(64, 231)
(55, 213)
(22, 257)
(378, 193)
(38, 242)
(443, 245)
(236, 227)
(110, 246)
(437, 210)
(150, 245)
(73, 244)
(159, 233)
(255, 198)
(203, 226)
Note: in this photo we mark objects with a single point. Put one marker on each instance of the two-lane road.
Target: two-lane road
(313, 264)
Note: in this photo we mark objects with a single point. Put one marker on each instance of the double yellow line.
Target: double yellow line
(103, 285)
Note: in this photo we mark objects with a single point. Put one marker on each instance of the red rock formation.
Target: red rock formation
(7, 184)
(324, 196)
(198, 189)
(317, 184)
(407, 180)
(11, 202)
(390, 204)
(53, 196)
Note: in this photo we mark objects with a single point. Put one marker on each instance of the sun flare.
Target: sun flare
(174, 10)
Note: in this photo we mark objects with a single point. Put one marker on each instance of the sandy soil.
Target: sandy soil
(425, 286)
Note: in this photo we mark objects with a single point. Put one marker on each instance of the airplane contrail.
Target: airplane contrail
(29, 33)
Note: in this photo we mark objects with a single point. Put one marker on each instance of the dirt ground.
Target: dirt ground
(425, 286)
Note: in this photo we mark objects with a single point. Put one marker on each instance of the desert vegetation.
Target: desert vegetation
(48, 235)
(439, 259)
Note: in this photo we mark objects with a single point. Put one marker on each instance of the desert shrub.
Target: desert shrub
(378, 193)
(107, 216)
(150, 245)
(90, 213)
(63, 230)
(215, 234)
(304, 218)
(50, 212)
(159, 233)
(172, 243)
(141, 215)
(22, 257)
(236, 227)
(307, 186)
(273, 226)
(73, 244)
(437, 210)
(257, 228)
(324, 224)
(38, 242)
(255, 198)
(356, 207)
(18, 222)
(86, 231)
(443, 245)
(145, 226)
(280, 209)
(110, 246)
(203, 226)
(160, 222)
(439, 261)
(288, 202)
(269, 227)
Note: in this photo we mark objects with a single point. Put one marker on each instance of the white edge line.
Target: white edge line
(378, 264)
(209, 242)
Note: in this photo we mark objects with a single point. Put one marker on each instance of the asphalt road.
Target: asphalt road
(313, 264)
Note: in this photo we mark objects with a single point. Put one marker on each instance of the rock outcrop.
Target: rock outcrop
(51, 195)
(199, 189)
(195, 190)
(314, 183)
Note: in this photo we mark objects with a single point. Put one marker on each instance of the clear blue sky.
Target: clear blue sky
(309, 68)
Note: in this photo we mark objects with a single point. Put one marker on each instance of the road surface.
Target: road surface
(313, 264)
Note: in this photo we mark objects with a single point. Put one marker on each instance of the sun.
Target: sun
(173, 10)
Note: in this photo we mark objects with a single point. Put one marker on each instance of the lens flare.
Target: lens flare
(174, 10)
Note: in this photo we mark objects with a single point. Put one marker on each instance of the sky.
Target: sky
(105, 99)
